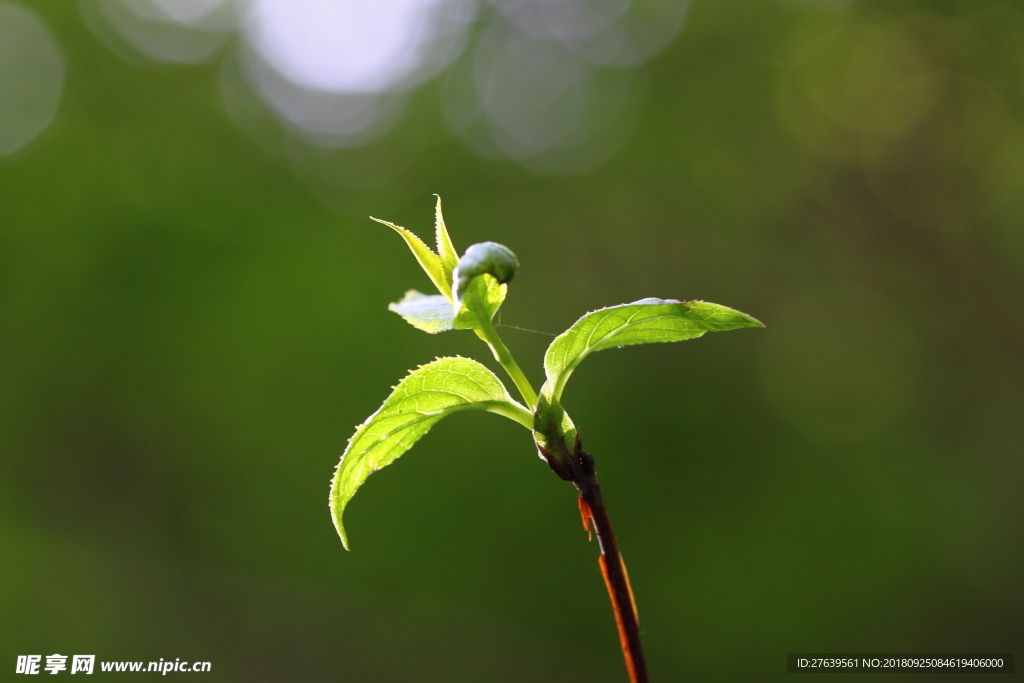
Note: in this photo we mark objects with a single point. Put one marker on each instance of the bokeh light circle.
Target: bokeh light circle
(31, 77)
(943, 151)
(354, 47)
(533, 100)
(173, 31)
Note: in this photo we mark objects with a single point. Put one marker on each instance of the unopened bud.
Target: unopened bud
(485, 257)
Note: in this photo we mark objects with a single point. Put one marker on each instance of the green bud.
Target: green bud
(485, 257)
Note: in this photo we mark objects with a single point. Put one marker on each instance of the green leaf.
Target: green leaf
(434, 313)
(430, 313)
(428, 260)
(426, 395)
(445, 249)
(641, 322)
(482, 297)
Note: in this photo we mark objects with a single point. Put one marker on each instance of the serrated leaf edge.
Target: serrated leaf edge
(428, 260)
(445, 249)
(516, 412)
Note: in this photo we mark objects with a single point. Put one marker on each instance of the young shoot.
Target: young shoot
(471, 289)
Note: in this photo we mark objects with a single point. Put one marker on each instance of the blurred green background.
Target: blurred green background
(193, 319)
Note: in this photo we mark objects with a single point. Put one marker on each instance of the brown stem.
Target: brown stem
(578, 467)
(615, 576)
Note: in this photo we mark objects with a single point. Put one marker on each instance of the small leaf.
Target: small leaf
(445, 249)
(434, 313)
(426, 395)
(483, 297)
(431, 314)
(429, 261)
(641, 322)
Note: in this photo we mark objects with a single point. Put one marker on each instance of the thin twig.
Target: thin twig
(612, 568)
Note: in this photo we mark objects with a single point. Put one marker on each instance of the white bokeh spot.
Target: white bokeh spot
(31, 77)
(342, 45)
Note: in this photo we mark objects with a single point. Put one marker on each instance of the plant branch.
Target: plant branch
(615, 578)
(579, 469)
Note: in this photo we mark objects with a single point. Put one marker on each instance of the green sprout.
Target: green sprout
(471, 290)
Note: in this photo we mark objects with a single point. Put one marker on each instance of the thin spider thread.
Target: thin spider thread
(547, 334)
(524, 329)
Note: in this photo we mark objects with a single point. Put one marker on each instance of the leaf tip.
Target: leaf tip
(445, 249)
(751, 320)
(337, 509)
